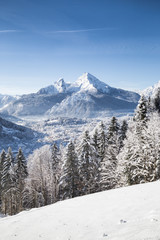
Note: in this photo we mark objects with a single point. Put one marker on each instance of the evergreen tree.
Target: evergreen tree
(70, 180)
(141, 111)
(135, 163)
(88, 165)
(139, 159)
(156, 100)
(95, 141)
(21, 175)
(113, 130)
(150, 105)
(55, 172)
(108, 178)
(9, 187)
(101, 141)
(2, 160)
(123, 131)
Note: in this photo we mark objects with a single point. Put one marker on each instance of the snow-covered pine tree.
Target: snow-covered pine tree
(150, 106)
(137, 159)
(70, 181)
(156, 100)
(95, 141)
(122, 132)
(98, 142)
(9, 186)
(152, 150)
(21, 175)
(55, 172)
(101, 141)
(138, 154)
(2, 160)
(113, 129)
(141, 113)
(88, 165)
(108, 177)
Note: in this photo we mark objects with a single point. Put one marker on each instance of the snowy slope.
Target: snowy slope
(131, 213)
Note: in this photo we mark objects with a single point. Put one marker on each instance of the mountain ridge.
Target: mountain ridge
(152, 90)
(86, 97)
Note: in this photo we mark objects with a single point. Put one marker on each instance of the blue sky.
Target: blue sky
(118, 41)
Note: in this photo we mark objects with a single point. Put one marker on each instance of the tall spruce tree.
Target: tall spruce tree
(101, 141)
(108, 178)
(70, 180)
(134, 160)
(21, 175)
(141, 114)
(55, 172)
(2, 160)
(113, 129)
(123, 131)
(88, 165)
(156, 100)
(95, 140)
(9, 187)
(140, 154)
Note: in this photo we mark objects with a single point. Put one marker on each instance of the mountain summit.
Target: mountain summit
(86, 97)
(89, 83)
(58, 87)
(85, 83)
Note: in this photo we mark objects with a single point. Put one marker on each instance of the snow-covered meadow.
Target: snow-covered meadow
(128, 213)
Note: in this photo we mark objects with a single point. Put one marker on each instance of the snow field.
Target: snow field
(121, 214)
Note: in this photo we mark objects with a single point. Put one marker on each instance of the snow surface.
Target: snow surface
(122, 214)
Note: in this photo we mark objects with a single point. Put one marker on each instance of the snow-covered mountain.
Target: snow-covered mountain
(151, 91)
(15, 136)
(90, 98)
(89, 84)
(85, 83)
(6, 99)
(86, 97)
(129, 213)
(58, 87)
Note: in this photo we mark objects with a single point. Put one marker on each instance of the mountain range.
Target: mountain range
(86, 97)
(15, 136)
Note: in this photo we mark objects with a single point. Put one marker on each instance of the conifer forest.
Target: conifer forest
(121, 154)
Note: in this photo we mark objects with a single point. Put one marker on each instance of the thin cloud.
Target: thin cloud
(81, 30)
(8, 31)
